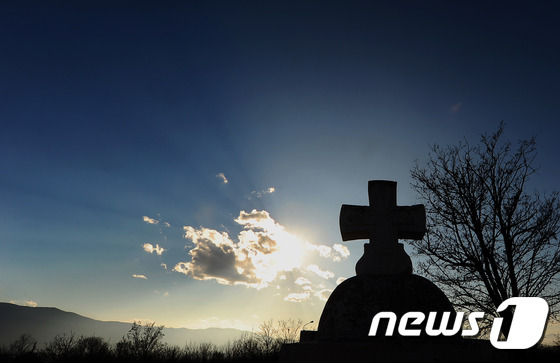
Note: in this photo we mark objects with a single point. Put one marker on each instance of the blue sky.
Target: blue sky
(112, 113)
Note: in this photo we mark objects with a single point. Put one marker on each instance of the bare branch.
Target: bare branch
(488, 239)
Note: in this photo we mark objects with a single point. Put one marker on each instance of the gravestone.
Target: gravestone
(383, 283)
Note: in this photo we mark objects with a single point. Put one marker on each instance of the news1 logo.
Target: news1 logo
(527, 327)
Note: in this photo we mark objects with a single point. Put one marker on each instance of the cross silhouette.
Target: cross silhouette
(382, 222)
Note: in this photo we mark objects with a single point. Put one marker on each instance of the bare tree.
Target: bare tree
(268, 337)
(24, 344)
(61, 347)
(488, 239)
(141, 341)
(288, 330)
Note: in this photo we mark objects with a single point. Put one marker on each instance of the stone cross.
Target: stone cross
(383, 223)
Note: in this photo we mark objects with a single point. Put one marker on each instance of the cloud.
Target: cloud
(340, 280)
(336, 253)
(309, 290)
(139, 276)
(148, 247)
(258, 219)
(262, 193)
(298, 297)
(150, 220)
(302, 281)
(215, 256)
(222, 177)
(166, 224)
(29, 303)
(343, 251)
(321, 273)
(163, 265)
(324, 294)
(254, 216)
(324, 251)
(262, 253)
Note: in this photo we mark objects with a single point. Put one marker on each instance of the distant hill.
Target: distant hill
(44, 323)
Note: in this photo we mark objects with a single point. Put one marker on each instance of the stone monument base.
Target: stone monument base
(396, 350)
(349, 310)
(343, 332)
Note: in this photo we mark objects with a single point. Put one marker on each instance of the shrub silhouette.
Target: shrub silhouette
(144, 343)
(61, 348)
(91, 349)
(23, 349)
(68, 348)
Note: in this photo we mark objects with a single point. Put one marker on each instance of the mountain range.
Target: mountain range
(43, 323)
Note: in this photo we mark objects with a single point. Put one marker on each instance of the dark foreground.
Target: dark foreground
(145, 344)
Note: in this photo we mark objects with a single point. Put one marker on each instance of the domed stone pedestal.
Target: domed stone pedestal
(353, 304)
(344, 326)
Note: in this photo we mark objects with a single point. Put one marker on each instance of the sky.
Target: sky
(185, 162)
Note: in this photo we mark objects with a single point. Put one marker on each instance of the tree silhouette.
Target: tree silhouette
(25, 344)
(488, 238)
(141, 342)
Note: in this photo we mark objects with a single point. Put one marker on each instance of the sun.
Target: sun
(291, 252)
(288, 254)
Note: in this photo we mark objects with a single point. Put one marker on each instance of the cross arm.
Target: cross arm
(359, 222)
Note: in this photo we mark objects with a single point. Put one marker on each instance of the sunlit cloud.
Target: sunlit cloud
(264, 250)
(343, 251)
(222, 178)
(166, 224)
(309, 290)
(182, 267)
(216, 257)
(29, 303)
(260, 220)
(324, 251)
(337, 253)
(324, 294)
(148, 247)
(139, 276)
(262, 193)
(302, 281)
(321, 273)
(262, 254)
(298, 296)
(150, 220)
(340, 280)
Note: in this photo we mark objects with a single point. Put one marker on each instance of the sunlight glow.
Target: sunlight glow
(262, 254)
